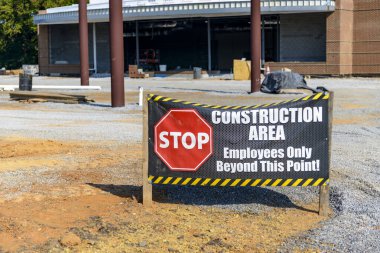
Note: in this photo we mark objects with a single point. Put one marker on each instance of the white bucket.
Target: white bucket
(163, 68)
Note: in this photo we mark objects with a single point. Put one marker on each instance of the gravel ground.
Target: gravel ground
(43, 121)
(9, 180)
(355, 180)
(355, 195)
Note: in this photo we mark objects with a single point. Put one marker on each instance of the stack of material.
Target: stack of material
(134, 72)
(37, 97)
(14, 72)
(242, 70)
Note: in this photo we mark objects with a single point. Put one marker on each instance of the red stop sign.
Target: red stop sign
(183, 140)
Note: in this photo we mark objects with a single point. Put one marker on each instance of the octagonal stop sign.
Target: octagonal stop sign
(183, 140)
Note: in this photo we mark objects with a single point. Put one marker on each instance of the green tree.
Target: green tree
(18, 34)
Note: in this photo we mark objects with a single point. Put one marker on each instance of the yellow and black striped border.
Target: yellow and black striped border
(189, 181)
(317, 96)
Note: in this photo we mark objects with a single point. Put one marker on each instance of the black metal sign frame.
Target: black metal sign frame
(278, 144)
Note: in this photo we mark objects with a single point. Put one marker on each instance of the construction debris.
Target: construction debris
(135, 72)
(9, 87)
(37, 97)
(14, 72)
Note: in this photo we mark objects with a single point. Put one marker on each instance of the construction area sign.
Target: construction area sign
(277, 144)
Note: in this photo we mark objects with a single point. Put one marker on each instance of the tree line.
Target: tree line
(18, 34)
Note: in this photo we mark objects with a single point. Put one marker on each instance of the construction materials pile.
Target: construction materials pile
(135, 72)
(242, 70)
(14, 72)
(38, 97)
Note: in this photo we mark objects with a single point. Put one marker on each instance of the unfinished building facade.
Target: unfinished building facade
(315, 37)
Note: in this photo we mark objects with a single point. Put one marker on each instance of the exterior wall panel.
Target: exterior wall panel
(103, 48)
(366, 49)
(43, 49)
(43, 56)
(340, 38)
(303, 37)
(309, 68)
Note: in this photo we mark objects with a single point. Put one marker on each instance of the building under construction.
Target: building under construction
(316, 37)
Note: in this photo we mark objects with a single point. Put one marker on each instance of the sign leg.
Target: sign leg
(147, 186)
(324, 190)
(324, 200)
(147, 191)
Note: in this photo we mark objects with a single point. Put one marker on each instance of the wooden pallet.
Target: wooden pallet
(35, 97)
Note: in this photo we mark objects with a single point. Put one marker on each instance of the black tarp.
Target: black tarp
(276, 81)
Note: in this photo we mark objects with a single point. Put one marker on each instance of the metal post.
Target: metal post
(147, 186)
(324, 190)
(50, 47)
(94, 48)
(137, 44)
(209, 44)
(278, 39)
(262, 42)
(117, 53)
(83, 41)
(255, 45)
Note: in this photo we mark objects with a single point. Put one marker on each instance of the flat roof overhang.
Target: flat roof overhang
(69, 15)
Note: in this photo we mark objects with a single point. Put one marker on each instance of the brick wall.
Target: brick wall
(43, 49)
(306, 68)
(366, 46)
(339, 44)
(339, 39)
(352, 41)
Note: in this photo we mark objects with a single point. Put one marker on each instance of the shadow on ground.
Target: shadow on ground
(93, 104)
(205, 196)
